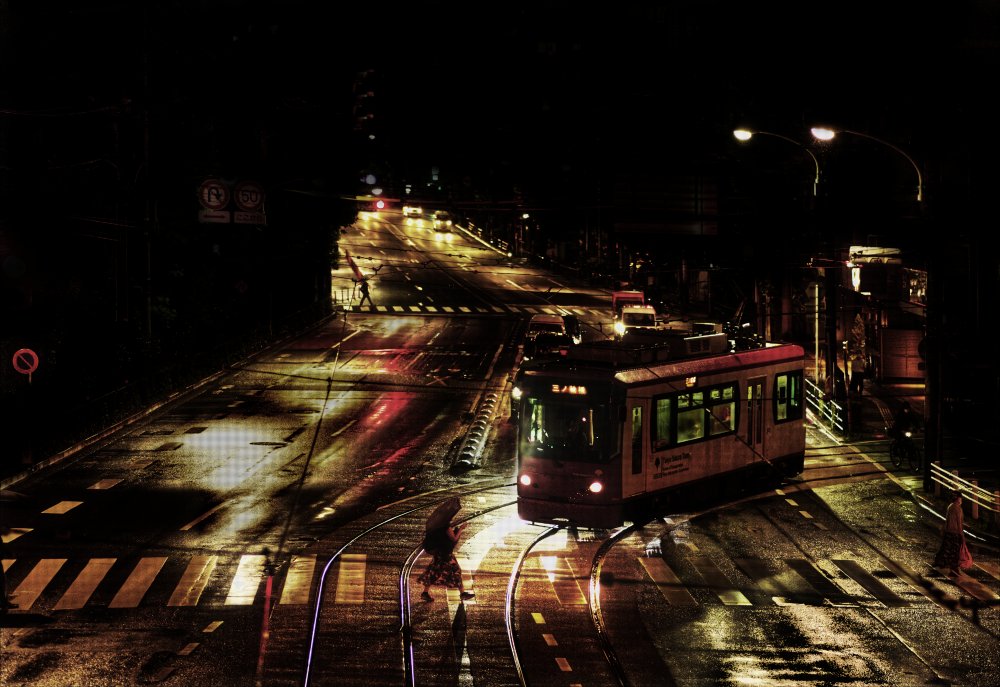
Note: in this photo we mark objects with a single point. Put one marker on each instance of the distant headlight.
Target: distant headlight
(516, 393)
(525, 480)
(619, 328)
(596, 487)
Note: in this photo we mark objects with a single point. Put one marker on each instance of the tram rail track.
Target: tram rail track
(414, 509)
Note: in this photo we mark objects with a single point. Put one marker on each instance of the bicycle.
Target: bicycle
(903, 449)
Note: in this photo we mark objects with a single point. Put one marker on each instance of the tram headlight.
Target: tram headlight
(525, 480)
(619, 328)
(596, 487)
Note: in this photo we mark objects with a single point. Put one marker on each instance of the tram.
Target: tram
(611, 437)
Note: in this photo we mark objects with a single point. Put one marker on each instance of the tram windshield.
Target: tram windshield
(563, 431)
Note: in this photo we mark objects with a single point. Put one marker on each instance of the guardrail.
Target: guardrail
(977, 497)
(829, 413)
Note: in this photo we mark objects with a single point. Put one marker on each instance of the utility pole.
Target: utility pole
(933, 366)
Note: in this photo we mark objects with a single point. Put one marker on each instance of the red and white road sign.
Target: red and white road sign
(213, 194)
(25, 361)
(248, 196)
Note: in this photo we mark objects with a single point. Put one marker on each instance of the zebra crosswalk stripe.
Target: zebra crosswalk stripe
(85, 583)
(246, 581)
(193, 582)
(35, 583)
(138, 583)
(784, 581)
(298, 580)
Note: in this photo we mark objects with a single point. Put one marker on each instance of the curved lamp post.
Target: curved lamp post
(932, 381)
(826, 134)
(744, 135)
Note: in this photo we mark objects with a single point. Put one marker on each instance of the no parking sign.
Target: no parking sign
(25, 361)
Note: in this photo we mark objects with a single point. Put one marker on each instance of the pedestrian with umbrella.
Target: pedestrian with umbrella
(440, 539)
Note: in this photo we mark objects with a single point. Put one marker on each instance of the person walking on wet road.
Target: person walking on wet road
(365, 293)
(953, 554)
(439, 541)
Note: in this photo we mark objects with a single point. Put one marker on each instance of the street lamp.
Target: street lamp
(826, 134)
(932, 379)
(744, 135)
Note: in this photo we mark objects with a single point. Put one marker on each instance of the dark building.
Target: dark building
(611, 130)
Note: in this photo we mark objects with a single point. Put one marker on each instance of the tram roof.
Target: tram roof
(690, 367)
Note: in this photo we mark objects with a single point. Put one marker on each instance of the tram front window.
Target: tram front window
(561, 431)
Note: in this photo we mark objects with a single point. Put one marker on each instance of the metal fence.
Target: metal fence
(977, 497)
(830, 414)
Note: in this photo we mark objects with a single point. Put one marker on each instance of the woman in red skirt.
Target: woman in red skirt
(953, 554)
(443, 569)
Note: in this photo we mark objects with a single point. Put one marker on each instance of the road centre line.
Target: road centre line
(343, 429)
(201, 517)
(62, 507)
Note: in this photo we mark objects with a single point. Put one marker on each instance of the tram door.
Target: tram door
(633, 475)
(755, 416)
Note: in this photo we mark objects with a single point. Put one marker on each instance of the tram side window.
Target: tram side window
(685, 417)
(636, 440)
(722, 410)
(788, 396)
(663, 417)
(690, 417)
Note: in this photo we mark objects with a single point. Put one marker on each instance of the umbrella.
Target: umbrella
(442, 515)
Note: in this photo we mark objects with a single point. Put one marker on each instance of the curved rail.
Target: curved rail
(442, 496)
(406, 629)
(596, 615)
(509, 602)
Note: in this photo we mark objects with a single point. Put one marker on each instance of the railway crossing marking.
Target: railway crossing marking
(667, 582)
(718, 582)
(351, 578)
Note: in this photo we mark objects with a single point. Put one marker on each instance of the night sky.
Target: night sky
(112, 113)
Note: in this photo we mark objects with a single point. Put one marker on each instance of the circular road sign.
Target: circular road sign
(213, 194)
(25, 361)
(249, 196)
